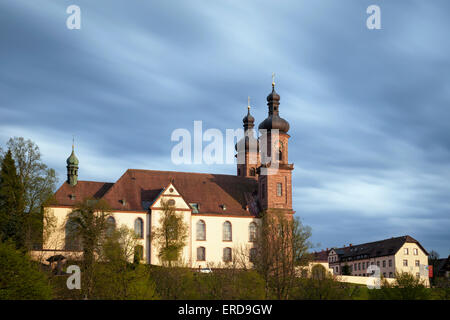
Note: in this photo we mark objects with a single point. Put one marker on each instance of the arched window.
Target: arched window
(252, 229)
(253, 255)
(138, 253)
(72, 238)
(227, 232)
(201, 254)
(139, 228)
(252, 172)
(227, 257)
(110, 225)
(201, 230)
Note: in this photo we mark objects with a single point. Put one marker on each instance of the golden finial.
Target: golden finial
(273, 79)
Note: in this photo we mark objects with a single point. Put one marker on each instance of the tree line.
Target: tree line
(111, 262)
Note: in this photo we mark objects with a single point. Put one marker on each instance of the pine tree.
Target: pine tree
(11, 203)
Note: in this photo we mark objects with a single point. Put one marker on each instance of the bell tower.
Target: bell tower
(72, 168)
(248, 158)
(275, 172)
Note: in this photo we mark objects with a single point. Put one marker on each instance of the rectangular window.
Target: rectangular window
(390, 263)
(416, 252)
(378, 263)
(359, 266)
(405, 263)
(279, 189)
(364, 266)
(384, 274)
(384, 263)
(405, 250)
(417, 263)
(390, 274)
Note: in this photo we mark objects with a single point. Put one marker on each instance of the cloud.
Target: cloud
(368, 109)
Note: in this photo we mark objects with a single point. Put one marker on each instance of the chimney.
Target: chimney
(350, 245)
(327, 249)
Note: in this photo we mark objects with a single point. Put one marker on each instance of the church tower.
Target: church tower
(248, 158)
(275, 172)
(72, 168)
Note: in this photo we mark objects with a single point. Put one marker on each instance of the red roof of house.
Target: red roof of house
(139, 188)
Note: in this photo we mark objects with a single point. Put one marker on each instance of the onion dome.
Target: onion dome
(72, 160)
(249, 138)
(274, 121)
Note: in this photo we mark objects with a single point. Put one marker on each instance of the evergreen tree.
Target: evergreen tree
(12, 218)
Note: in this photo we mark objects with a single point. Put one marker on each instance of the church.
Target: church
(222, 212)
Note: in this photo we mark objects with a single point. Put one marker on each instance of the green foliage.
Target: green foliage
(38, 183)
(170, 237)
(406, 287)
(346, 270)
(441, 289)
(20, 278)
(321, 286)
(230, 284)
(89, 223)
(174, 283)
(12, 218)
(115, 277)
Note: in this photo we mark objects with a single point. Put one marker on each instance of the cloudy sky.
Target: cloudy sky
(369, 109)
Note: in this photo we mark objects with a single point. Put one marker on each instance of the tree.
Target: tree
(433, 260)
(12, 220)
(170, 237)
(90, 225)
(38, 183)
(282, 247)
(115, 276)
(20, 277)
(346, 270)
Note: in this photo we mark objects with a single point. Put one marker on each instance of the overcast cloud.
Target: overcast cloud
(369, 109)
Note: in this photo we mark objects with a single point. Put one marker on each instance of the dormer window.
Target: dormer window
(224, 207)
(123, 202)
(72, 196)
(194, 207)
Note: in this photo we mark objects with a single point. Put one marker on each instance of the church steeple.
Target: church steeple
(72, 168)
(275, 172)
(248, 159)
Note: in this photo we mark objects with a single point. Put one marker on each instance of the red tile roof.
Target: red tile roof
(82, 190)
(139, 188)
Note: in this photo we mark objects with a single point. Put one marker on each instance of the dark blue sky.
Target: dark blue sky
(369, 109)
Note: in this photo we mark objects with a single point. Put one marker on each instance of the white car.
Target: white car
(205, 270)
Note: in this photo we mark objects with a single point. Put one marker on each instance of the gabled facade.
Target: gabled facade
(391, 256)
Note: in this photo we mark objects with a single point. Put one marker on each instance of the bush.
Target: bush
(20, 278)
(405, 287)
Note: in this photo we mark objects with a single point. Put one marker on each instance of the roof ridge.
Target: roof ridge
(199, 173)
(366, 243)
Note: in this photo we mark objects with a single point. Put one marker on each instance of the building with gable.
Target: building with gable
(222, 212)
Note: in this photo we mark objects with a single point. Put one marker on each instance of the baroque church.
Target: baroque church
(222, 212)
